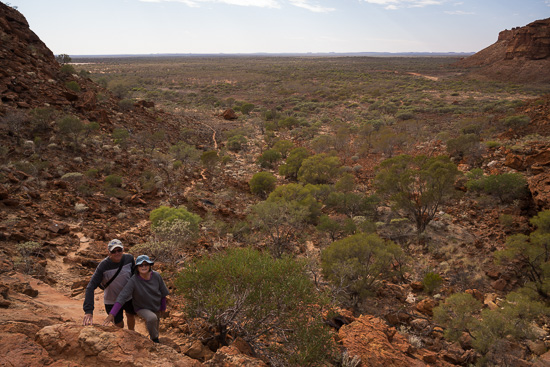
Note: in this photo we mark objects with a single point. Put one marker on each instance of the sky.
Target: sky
(115, 27)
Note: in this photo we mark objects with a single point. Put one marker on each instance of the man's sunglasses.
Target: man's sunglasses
(118, 249)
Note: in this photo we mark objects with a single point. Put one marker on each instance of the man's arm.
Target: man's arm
(88, 305)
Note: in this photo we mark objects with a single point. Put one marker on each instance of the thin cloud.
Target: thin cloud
(197, 3)
(396, 4)
(458, 12)
(305, 4)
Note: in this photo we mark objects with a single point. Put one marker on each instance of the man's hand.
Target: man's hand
(109, 320)
(88, 319)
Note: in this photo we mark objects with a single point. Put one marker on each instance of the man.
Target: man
(111, 274)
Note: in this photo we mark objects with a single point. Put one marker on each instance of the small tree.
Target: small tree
(268, 158)
(283, 147)
(281, 220)
(456, 314)
(530, 255)
(63, 59)
(293, 162)
(209, 159)
(270, 303)
(417, 185)
(319, 169)
(262, 183)
(355, 265)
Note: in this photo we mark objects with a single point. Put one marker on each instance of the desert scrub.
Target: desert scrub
(28, 251)
(431, 282)
(249, 294)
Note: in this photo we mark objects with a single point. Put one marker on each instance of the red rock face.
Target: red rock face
(531, 42)
(521, 54)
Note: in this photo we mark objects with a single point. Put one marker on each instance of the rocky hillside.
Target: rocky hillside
(44, 198)
(55, 191)
(521, 54)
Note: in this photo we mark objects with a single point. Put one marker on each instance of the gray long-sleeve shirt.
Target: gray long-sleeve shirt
(145, 294)
(105, 271)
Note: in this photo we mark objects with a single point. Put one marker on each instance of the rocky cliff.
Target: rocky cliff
(521, 54)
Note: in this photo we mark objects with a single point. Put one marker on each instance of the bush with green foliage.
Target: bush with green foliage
(73, 85)
(268, 158)
(262, 183)
(165, 214)
(71, 127)
(282, 221)
(457, 314)
(517, 121)
(113, 180)
(293, 162)
(507, 187)
(236, 142)
(41, 118)
(431, 282)
(283, 147)
(186, 153)
(120, 136)
(68, 69)
(319, 169)
(530, 255)
(418, 185)
(305, 196)
(356, 265)
(251, 295)
(209, 159)
(490, 330)
(467, 146)
(336, 227)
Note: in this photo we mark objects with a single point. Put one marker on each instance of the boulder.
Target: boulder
(106, 346)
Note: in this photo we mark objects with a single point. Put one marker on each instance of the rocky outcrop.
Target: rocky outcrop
(382, 346)
(521, 54)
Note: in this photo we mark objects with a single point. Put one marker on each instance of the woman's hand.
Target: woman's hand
(109, 319)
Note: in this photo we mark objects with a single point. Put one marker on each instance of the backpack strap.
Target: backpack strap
(116, 274)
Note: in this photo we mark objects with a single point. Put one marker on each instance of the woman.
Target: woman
(148, 293)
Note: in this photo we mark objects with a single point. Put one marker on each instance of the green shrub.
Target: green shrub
(126, 104)
(246, 108)
(248, 294)
(431, 282)
(262, 183)
(293, 162)
(516, 121)
(72, 85)
(209, 159)
(164, 214)
(68, 69)
(319, 169)
(235, 143)
(120, 136)
(268, 158)
(92, 173)
(507, 186)
(356, 265)
(457, 314)
(113, 180)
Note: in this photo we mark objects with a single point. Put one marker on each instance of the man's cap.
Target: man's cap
(113, 244)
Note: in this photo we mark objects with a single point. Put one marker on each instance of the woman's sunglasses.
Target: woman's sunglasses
(118, 249)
